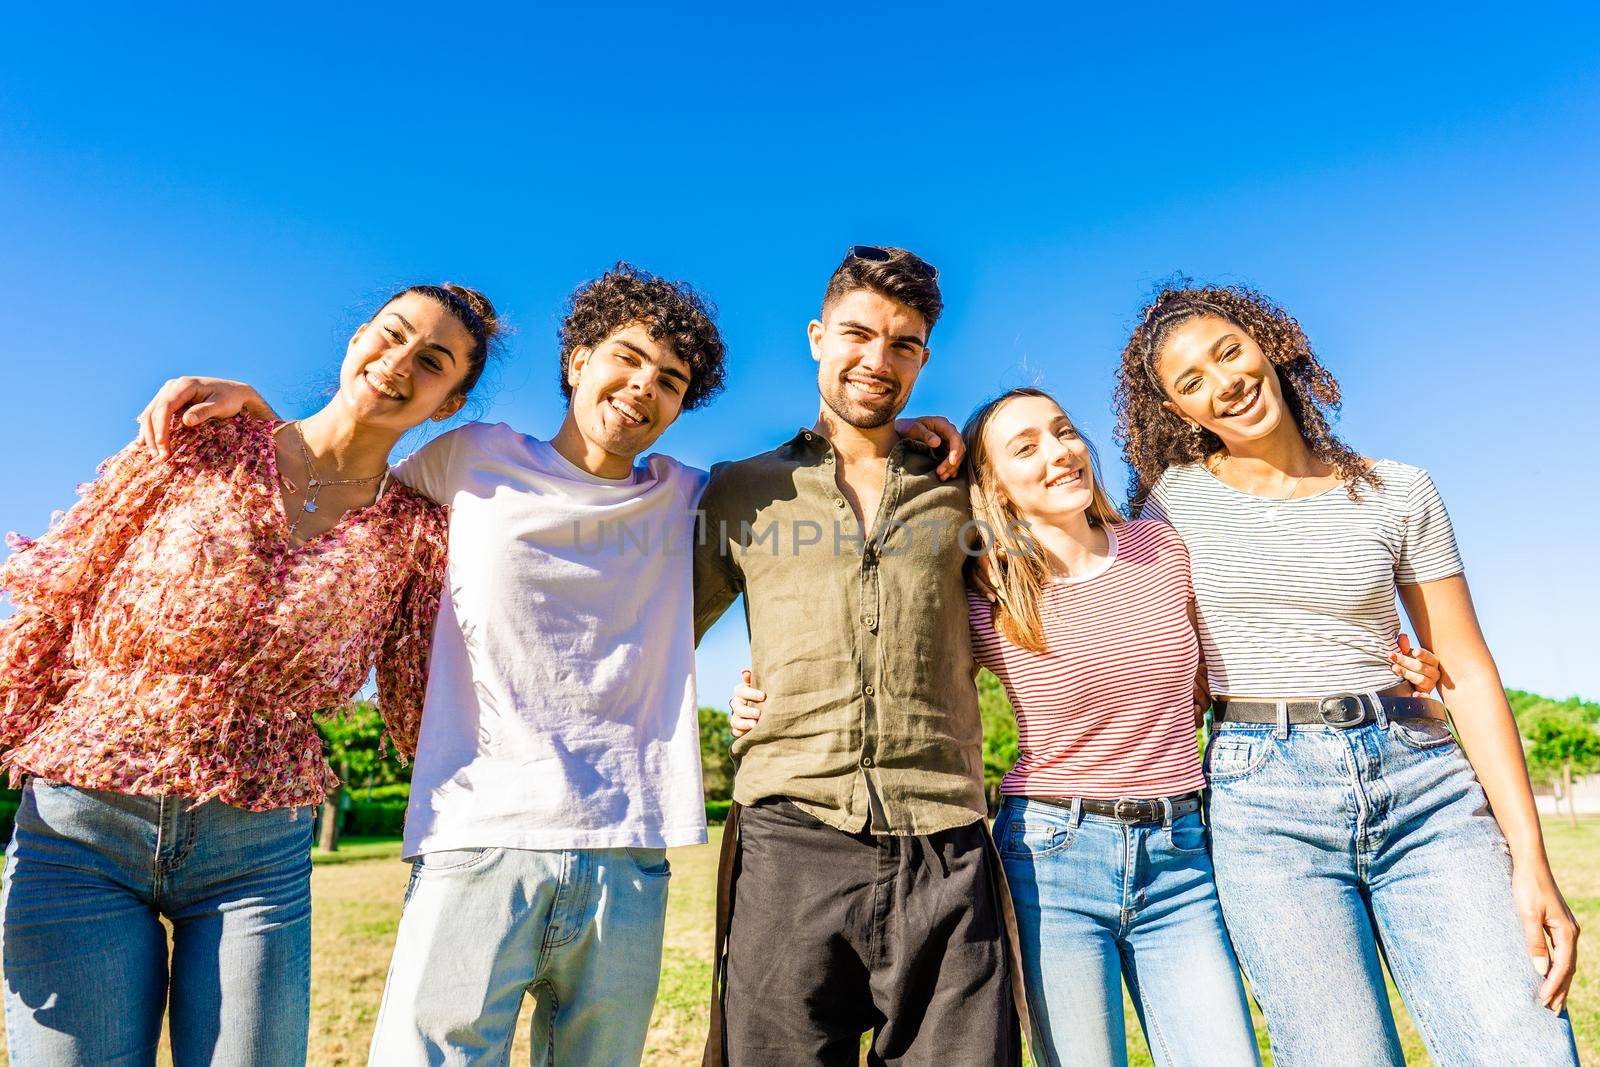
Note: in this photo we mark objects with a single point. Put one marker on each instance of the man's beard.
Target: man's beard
(858, 415)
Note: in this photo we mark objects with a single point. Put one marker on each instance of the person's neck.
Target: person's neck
(339, 445)
(852, 443)
(1283, 453)
(578, 450)
(1071, 546)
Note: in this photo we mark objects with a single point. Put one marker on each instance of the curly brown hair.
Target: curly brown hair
(670, 311)
(1154, 438)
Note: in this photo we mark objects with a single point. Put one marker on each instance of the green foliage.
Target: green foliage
(1559, 736)
(1000, 750)
(352, 738)
(717, 811)
(716, 761)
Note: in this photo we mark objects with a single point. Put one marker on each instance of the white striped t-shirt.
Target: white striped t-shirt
(1297, 597)
(1107, 710)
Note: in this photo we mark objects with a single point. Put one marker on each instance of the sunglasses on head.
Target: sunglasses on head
(874, 254)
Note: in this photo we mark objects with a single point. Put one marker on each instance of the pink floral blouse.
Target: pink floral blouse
(169, 641)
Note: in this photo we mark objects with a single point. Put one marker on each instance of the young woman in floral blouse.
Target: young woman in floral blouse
(174, 635)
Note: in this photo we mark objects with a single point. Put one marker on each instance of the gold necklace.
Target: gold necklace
(1294, 485)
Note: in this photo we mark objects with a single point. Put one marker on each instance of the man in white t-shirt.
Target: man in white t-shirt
(559, 750)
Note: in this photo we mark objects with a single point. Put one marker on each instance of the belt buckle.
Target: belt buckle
(1132, 812)
(1342, 711)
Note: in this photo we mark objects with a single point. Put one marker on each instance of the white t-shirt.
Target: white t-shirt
(560, 709)
(1296, 597)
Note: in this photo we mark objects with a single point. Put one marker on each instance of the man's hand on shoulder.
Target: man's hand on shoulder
(200, 400)
(935, 431)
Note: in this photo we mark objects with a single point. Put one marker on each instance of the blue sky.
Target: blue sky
(228, 193)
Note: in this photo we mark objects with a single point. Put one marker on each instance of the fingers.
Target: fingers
(1563, 962)
(743, 712)
(157, 417)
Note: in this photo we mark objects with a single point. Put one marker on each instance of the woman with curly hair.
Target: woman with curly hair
(175, 634)
(1345, 819)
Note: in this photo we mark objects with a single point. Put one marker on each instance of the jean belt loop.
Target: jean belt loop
(1077, 811)
(1283, 720)
(1166, 813)
(1378, 710)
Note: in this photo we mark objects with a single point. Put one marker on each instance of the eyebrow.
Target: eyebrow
(666, 371)
(911, 337)
(1019, 435)
(435, 345)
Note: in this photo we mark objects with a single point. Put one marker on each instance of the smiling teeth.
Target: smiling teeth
(631, 413)
(1243, 405)
(1063, 479)
(386, 390)
(878, 388)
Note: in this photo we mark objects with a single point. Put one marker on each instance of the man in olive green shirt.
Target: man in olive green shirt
(858, 872)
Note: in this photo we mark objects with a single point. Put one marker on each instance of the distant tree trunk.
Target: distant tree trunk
(330, 816)
(1566, 787)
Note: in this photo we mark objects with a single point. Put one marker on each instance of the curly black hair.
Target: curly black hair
(670, 311)
(1154, 439)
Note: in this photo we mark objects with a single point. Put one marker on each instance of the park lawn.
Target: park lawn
(357, 894)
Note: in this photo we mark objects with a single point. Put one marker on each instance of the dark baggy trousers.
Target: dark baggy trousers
(835, 934)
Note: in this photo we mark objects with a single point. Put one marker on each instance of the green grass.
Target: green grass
(357, 895)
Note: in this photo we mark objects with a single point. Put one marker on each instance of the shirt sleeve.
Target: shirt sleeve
(430, 469)
(1155, 503)
(35, 671)
(717, 582)
(1428, 545)
(403, 659)
(61, 572)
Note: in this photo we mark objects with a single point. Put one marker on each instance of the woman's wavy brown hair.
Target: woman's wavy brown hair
(1154, 438)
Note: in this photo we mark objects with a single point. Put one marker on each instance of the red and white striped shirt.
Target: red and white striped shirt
(1107, 710)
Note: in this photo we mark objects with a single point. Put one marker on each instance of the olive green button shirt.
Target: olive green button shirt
(871, 717)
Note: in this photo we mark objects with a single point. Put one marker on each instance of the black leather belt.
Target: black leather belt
(1162, 809)
(1342, 711)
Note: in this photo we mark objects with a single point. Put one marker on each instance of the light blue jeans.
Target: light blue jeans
(89, 875)
(1333, 846)
(1100, 901)
(579, 930)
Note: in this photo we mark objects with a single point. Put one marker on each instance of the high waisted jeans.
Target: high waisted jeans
(1099, 900)
(89, 875)
(1331, 846)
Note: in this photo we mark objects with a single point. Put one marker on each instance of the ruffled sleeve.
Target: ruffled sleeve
(52, 583)
(61, 572)
(403, 659)
(35, 671)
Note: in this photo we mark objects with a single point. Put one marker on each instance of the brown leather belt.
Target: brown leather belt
(1342, 711)
(1161, 809)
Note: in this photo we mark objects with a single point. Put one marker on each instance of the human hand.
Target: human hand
(1549, 929)
(744, 710)
(200, 400)
(934, 430)
(1420, 668)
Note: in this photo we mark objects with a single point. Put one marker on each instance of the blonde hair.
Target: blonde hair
(1017, 567)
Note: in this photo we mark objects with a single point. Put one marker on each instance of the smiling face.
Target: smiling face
(1038, 461)
(1216, 377)
(869, 350)
(406, 365)
(626, 390)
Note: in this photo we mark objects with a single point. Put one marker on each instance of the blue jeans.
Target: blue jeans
(1100, 901)
(579, 930)
(89, 875)
(1331, 846)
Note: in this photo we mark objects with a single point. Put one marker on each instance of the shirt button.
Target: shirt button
(869, 690)
(869, 620)
(838, 501)
(866, 761)
(827, 459)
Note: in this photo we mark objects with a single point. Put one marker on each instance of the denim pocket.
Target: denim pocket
(1029, 835)
(650, 862)
(1188, 835)
(451, 859)
(1233, 754)
(1422, 734)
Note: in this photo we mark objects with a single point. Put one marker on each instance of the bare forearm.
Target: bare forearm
(1489, 735)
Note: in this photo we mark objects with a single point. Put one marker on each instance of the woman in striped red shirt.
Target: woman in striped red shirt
(1092, 635)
